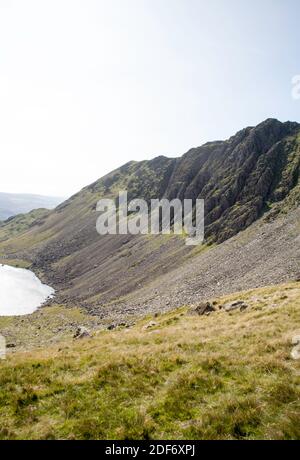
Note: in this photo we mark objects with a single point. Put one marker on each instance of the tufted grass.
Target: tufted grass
(225, 376)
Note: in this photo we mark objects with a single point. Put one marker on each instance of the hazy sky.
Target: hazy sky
(86, 86)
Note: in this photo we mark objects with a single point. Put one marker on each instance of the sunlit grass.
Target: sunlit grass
(226, 376)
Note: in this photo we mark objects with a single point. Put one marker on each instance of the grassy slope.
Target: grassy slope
(46, 326)
(21, 223)
(16, 226)
(228, 375)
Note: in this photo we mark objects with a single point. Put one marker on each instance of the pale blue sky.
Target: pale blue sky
(86, 86)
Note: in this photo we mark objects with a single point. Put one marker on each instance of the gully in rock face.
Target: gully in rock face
(163, 217)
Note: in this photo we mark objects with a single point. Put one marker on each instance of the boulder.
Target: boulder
(203, 308)
(295, 353)
(81, 333)
(296, 340)
(239, 304)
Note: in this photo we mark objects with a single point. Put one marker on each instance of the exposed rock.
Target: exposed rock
(296, 340)
(203, 309)
(81, 333)
(149, 325)
(111, 327)
(239, 304)
(295, 353)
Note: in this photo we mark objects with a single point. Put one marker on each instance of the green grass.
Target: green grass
(20, 223)
(18, 263)
(225, 376)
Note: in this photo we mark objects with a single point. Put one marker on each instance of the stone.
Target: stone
(239, 304)
(296, 340)
(149, 325)
(295, 353)
(203, 309)
(81, 333)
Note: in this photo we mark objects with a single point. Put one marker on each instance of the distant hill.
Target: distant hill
(12, 204)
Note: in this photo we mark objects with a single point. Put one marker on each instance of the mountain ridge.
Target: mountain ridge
(253, 174)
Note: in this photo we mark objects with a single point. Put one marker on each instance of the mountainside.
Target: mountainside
(253, 176)
(12, 204)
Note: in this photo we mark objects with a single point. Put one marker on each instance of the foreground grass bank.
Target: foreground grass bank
(223, 376)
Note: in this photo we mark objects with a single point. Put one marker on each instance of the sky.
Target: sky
(86, 86)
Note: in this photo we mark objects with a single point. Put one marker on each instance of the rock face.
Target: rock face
(239, 179)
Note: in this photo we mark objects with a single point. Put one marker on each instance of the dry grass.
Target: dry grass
(226, 376)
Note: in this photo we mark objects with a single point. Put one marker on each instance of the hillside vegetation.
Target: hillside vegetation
(16, 225)
(223, 376)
